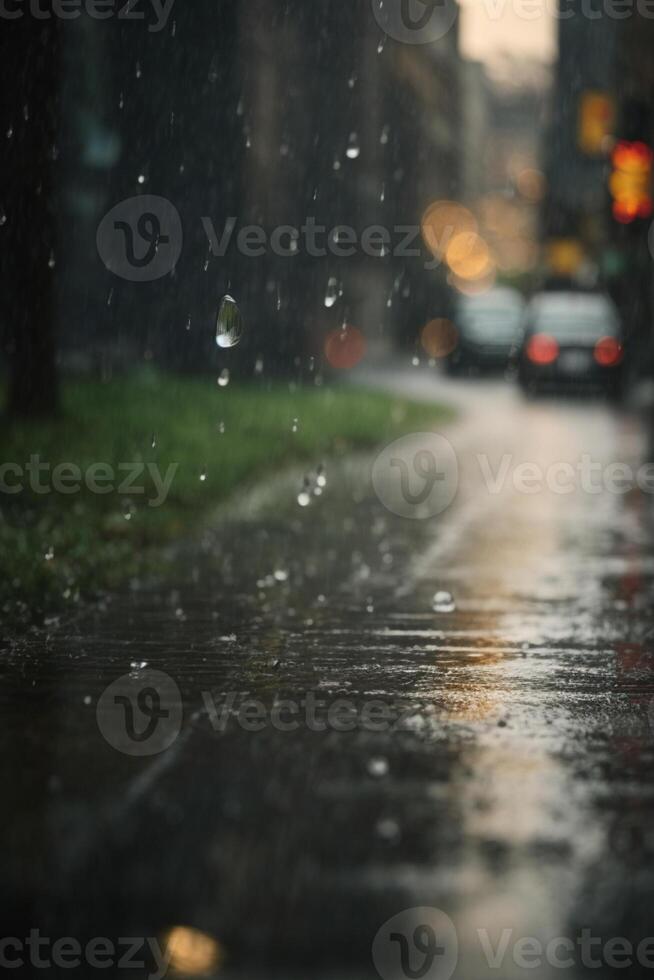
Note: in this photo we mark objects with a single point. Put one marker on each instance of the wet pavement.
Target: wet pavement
(487, 752)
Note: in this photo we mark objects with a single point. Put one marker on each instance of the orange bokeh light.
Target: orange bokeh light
(468, 256)
(439, 337)
(442, 222)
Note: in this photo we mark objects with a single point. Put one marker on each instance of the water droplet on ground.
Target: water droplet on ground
(443, 602)
(378, 767)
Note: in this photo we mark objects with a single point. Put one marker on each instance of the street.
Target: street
(465, 720)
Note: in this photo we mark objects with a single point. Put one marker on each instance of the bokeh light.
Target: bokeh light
(442, 222)
(192, 952)
(468, 256)
(344, 348)
(439, 337)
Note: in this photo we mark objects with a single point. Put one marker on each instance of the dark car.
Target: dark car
(489, 330)
(572, 340)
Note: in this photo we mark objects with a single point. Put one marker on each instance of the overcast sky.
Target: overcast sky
(490, 28)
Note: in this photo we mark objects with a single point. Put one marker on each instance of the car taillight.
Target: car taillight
(542, 349)
(608, 352)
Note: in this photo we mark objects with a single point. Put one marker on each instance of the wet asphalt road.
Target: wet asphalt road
(493, 761)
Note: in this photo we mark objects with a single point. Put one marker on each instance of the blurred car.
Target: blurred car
(573, 340)
(489, 330)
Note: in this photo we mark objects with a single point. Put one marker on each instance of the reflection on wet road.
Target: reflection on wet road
(493, 761)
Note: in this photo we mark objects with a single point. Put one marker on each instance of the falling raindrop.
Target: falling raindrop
(141, 178)
(296, 425)
(443, 602)
(382, 44)
(388, 829)
(382, 196)
(378, 767)
(128, 510)
(332, 292)
(281, 575)
(138, 664)
(321, 479)
(221, 428)
(121, 101)
(138, 71)
(3, 218)
(415, 361)
(383, 139)
(49, 555)
(229, 324)
(203, 476)
(258, 367)
(304, 496)
(51, 261)
(10, 132)
(352, 80)
(353, 149)
(153, 441)
(223, 378)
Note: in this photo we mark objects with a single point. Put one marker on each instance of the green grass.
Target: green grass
(55, 548)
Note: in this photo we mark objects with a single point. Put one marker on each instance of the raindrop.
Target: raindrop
(321, 479)
(188, 324)
(138, 664)
(296, 425)
(26, 112)
(203, 476)
(141, 178)
(281, 575)
(443, 602)
(229, 324)
(258, 367)
(388, 829)
(383, 139)
(3, 218)
(128, 510)
(10, 132)
(382, 44)
(382, 196)
(49, 555)
(223, 378)
(378, 767)
(332, 292)
(87, 700)
(153, 441)
(353, 148)
(221, 428)
(303, 498)
(110, 296)
(138, 71)
(121, 101)
(51, 261)
(415, 361)
(352, 80)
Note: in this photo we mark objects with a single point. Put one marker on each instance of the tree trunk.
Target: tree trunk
(30, 98)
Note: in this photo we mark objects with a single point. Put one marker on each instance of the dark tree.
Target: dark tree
(30, 81)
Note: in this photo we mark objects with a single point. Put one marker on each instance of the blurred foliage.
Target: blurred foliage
(57, 548)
